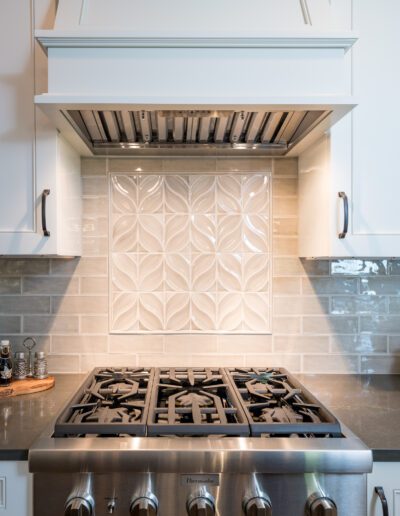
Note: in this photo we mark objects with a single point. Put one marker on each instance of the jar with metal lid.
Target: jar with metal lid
(40, 365)
(20, 366)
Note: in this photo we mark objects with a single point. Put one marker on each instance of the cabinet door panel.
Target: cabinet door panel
(376, 179)
(206, 17)
(16, 118)
(386, 475)
(331, 15)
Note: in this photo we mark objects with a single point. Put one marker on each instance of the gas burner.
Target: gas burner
(110, 402)
(194, 402)
(276, 404)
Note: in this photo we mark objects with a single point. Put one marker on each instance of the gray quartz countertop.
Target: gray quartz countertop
(23, 418)
(368, 405)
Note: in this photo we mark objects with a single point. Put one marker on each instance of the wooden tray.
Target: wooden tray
(27, 386)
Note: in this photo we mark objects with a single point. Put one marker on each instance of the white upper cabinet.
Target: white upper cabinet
(33, 176)
(360, 156)
(207, 17)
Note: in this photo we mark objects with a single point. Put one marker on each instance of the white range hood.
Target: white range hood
(120, 83)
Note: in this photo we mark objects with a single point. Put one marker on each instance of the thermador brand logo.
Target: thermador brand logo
(210, 480)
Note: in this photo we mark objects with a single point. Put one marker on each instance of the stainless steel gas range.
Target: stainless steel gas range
(197, 441)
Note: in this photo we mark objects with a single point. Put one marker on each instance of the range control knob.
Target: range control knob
(144, 506)
(257, 506)
(201, 503)
(78, 507)
(321, 506)
(80, 501)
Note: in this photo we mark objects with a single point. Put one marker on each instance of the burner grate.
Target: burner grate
(111, 402)
(278, 405)
(195, 402)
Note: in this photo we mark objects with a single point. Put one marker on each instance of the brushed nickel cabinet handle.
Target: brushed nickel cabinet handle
(343, 233)
(381, 493)
(46, 232)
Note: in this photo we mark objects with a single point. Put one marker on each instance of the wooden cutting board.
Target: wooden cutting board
(27, 386)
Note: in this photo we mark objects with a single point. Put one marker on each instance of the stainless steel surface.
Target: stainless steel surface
(288, 493)
(29, 343)
(80, 501)
(219, 475)
(113, 132)
(20, 366)
(257, 504)
(40, 365)
(200, 503)
(144, 504)
(320, 505)
(230, 454)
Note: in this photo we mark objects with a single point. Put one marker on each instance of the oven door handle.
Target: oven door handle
(381, 493)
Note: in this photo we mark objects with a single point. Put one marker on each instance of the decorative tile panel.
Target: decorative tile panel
(190, 253)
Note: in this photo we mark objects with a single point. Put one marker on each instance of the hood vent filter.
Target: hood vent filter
(116, 131)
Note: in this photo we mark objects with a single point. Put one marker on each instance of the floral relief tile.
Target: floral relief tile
(229, 272)
(255, 312)
(202, 194)
(204, 311)
(151, 272)
(229, 311)
(203, 268)
(256, 233)
(177, 233)
(124, 233)
(255, 193)
(151, 194)
(228, 194)
(203, 233)
(124, 272)
(177, 311)
(177, 272)
(151, 233)
(151, 311)
(229, 238)
(190, 253)
(124, 194)
(124, 313)
(176, 194)
(256, 272)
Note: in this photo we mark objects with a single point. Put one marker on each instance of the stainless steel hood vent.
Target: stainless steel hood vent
(122, 131)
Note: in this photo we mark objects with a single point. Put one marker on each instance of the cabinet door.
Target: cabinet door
(329, 15)
(17, 120)
(375, 176)
(386, 475)
(362, 155)
(207, 17)
(15, 489)
(31, 155)
(21, 180)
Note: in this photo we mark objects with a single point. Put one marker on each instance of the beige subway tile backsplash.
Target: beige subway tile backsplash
(79, 344)
(93, 166)
(338, 316)
(94, 324)
(285, 167)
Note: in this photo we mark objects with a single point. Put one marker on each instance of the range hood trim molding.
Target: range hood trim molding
(189, 103)
(117, 39)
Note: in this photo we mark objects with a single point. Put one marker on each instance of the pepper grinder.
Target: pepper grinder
(29, 343)
(40, 365)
